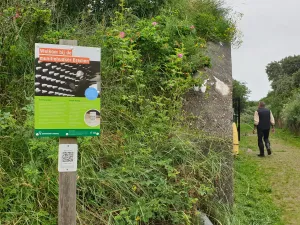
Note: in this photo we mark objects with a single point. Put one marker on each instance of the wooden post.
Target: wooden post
(67, 192)
(67, 180)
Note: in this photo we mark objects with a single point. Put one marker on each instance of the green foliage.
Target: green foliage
(296, 79)
(274, 71)
(288, 136)
(283, 87)
(254, 204)
(252, 103)
(285, 67)
(275, 105)
(285, 78)
(291, 113)
(248, 115)
(290, 64)
(20, 27)
(241, 91)
(214, 28)
(68, 9)
(148, 166)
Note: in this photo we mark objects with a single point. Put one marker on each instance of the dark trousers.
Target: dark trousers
(263, 134)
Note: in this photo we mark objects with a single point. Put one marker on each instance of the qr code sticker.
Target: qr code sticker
(67, 157)
(67, 161)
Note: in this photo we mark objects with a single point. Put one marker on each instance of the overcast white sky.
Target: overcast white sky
(271, 31)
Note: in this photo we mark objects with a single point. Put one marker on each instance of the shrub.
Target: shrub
(148, 166)
(248, 115)
(291, 114)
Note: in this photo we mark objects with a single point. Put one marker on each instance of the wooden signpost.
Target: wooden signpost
(67, 105)
(67, 180)
(67, 191)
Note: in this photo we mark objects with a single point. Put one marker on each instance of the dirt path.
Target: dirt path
(283, 170)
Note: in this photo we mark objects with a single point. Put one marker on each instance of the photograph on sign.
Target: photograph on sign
(67, 91)
(92, 118)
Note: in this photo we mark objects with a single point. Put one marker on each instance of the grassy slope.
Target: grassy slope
(132, 172)
(253, 193)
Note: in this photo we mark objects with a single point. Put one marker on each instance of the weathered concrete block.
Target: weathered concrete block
(209, 109)
(214, 107)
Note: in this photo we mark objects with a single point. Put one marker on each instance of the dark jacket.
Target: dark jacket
(263, 118)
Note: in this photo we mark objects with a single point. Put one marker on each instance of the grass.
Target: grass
(282, 134)
(253, 193)
(288, 136)
(146, 168)
(253, 201)
(283, 170)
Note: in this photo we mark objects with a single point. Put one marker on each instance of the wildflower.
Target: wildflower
(192, 27)
(134, 188)
(122, 34)
(154, 23)
(17, 16)
(180, 55)
(138, 218)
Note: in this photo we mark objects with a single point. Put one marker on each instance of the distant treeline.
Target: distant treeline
(284, 99)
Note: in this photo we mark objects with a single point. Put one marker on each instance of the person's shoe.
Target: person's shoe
(259, 155)
(269, 151)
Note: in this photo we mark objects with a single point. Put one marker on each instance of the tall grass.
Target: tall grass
(147, 167)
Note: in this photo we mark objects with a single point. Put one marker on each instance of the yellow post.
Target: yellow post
(235, 140)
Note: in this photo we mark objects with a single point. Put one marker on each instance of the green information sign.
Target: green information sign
(67, 91)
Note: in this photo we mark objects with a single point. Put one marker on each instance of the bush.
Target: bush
(291, 114)
(248, 115)
(147, 167)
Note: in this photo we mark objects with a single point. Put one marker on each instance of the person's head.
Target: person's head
(261, 105)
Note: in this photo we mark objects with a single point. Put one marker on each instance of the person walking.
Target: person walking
(263, 120)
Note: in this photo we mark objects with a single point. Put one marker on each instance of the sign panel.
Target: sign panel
(67, 91)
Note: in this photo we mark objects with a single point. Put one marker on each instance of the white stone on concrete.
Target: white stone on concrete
(221, 87)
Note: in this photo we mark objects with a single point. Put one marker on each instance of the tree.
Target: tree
(285, 82)
(283, 86)
(290, 65)
(291, 113)
(274, 71)
(240, 90)
(283, 68)
(296, 79)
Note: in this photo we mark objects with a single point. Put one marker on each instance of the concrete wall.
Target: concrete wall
(214, 107)
(209, 109)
